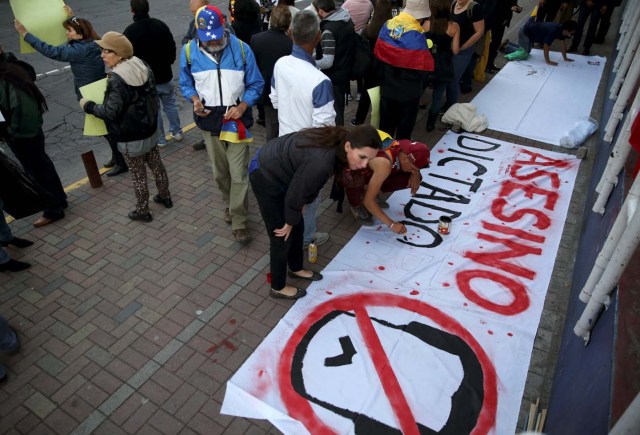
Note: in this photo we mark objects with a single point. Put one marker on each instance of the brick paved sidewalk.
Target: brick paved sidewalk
(135, 328)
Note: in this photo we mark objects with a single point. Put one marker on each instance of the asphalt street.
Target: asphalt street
(64, 121)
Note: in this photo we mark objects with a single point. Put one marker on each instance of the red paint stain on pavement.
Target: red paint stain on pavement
(414, 292)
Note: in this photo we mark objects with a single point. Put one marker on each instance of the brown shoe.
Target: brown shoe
(227, 216)
(242, 235)
(42, 221)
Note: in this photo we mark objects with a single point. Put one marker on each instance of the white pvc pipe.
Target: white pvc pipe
(628, 23)
(628, 88)
(622, 64)
(615, 164)
(617, 230)
(629, 422)
(619, 154)
(618, 263)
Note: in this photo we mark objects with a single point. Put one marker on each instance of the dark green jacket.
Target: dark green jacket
(22, 113)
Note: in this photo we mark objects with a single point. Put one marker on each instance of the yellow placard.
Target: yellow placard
(374, 95)
(95, 92)
(41, 18)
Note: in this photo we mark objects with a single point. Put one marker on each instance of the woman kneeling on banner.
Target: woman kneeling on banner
(287, 173)
(130, 111)
(396, 166)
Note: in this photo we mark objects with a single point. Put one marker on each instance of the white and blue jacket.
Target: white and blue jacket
(236, 79)
(301, 92)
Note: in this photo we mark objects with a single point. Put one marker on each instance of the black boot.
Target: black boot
(117, 170)
(431, 121)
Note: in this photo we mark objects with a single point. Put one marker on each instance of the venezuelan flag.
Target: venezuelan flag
(402, 43)
(389, 146)
(234, 131)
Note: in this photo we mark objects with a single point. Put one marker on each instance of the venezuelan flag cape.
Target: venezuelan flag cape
(234, 131)
(401, 43)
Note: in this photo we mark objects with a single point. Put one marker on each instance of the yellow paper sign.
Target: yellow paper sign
(374, 95)
(95, 92)
(43, 19)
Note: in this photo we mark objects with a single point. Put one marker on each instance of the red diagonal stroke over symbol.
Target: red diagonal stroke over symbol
(386, 374)
(300, 409)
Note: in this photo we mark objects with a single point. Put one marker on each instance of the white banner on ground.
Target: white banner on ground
(538, 101)
(435, 331)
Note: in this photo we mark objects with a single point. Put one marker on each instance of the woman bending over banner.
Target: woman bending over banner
(397, 166)
(287, 173)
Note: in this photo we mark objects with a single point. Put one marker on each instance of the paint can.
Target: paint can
(444, 224)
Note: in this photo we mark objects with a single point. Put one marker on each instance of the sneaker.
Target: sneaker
(381, 202)
(164, 201)
(242, 235)
(358, 96)
(199, 146)
(227, 216)
(362, 215)
(162, 144)
(144, 217)
(349, 97)
(320, 239)
(177, 136)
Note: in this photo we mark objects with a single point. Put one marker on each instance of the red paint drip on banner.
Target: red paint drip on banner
(414, 292)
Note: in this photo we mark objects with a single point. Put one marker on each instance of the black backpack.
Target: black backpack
(362, 58)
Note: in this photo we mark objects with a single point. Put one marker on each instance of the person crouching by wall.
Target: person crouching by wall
(130, 111)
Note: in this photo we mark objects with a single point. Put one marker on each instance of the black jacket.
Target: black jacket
(268, 47)
(298, 172)
(130, 108)
(345, 36)
(153, 42)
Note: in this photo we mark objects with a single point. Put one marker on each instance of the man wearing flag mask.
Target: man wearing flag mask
(220, 77)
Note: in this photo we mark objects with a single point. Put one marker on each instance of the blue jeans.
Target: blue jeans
(523, 42)
(5, 236)
(167, 96)
(8, 339)
(310, 216)
(460, 62)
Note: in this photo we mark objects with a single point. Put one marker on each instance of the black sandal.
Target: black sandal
(300, 292)
(315, 276)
